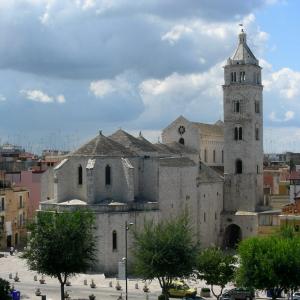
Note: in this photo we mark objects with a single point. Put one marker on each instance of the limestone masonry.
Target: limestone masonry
(213, 171)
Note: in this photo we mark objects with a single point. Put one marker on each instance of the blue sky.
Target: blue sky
(71, 67)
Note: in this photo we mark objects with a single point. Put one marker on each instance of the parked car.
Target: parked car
(180, 289)
(296, 296)
(193, 298)
(238, 294)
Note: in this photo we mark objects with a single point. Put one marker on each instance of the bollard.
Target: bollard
(85, 281)
(44, 297)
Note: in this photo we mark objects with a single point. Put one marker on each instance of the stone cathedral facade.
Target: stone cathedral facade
(213, 171)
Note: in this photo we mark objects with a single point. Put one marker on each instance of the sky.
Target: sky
(69, 68)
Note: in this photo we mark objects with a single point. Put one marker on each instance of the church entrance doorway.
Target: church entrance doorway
(233, 235)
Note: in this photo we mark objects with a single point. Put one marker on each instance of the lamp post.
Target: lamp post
(126, 258)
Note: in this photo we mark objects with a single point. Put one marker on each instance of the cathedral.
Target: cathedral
(212, 171)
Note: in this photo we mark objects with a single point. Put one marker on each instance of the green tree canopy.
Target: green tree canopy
(61, 244)
(165, 251)
(271, 263)
(216, 268)
(4, 289)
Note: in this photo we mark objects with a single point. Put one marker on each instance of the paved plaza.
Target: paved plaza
(27, 285)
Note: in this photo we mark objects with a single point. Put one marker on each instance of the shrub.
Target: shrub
(4, 290)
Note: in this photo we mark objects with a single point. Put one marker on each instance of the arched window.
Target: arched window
(181, 141)
(205, 155)
(237, 106)
(114, 241)
(107, 175)
(242, 76)
(80, 175)
(238, 166)
(257, 108)
(238, 133)
(214, 156)
(257, 133)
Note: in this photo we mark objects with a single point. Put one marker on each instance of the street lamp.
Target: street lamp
(126, 257)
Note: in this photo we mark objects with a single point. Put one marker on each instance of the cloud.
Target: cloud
(176, 33)
(40, 96)
(288, 115)
(101, 88)
(135, 64)
(90, 39)
(286, 82)
(60, 99)
(2, 98)
(188, 94)
(37, 95)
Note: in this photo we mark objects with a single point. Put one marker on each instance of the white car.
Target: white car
(296, 296)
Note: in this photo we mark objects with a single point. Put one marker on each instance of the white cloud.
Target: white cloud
(193, 95)
(120, 84)
(101, 88)
(287, 82)
(288, 115)
(37, 96)
(175, 33)
(42, 97)
(60, 99)
(2, 98)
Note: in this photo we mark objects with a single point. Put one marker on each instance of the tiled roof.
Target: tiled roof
(207, 174)
(103, 146)
(176, 162)
(294, 175)
(174, 148)
(131, 142)
(210, 129)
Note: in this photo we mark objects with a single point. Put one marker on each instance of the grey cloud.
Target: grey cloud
(84, 44)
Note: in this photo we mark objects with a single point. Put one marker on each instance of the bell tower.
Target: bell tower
(243, 131)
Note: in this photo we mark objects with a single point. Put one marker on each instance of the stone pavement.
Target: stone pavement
(27, 285)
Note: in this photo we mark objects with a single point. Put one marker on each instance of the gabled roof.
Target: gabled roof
(211, 129)
(174, 148)
(179, 119)
(207, 174)
(131, 142)
(103, 146)
(176, 162)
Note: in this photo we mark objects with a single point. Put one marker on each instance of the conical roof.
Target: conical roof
(131, 142)
(103, 146)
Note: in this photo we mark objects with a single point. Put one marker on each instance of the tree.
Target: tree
(271, 263)
(61, 244)
(216, 268)
(164, 251)
(4, 289)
